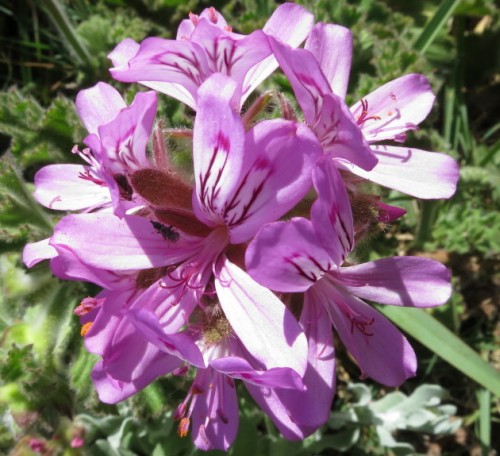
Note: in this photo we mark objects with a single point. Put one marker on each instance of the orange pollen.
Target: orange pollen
(183, 429)
(85, 328)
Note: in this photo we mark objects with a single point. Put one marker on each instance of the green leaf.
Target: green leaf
(39, 135)
(57, 15)
(484, 399)
(435, 336)
(434, 26)
(18, 209)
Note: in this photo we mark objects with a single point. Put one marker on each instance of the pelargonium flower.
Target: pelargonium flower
(118, 135)
(319, 75)
(239, 186)
(205, 45)
(210, 408)
(129, 361)
(306, 256)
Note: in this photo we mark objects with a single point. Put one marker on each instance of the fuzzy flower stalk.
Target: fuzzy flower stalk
(242, 273)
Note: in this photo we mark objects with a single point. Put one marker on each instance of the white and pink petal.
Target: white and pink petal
(290, 23)
(70, 188)
(266, 328)
(298, 414)
(98, 105)
(394, 108)
(399, 281)
(287, 256)
(422, 174)
(104, 241)
(331, 44)
(331, 213)
(380, 350)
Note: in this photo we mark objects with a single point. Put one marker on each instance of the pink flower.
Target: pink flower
(118, 135)
(239, 186)
(206, 45)
(319, 75)
(304, 256)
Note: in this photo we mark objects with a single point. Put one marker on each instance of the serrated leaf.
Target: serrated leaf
(19, 212)
(38, 135)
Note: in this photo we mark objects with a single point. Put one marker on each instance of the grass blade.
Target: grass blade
(484, 399)
(437, 22)
(435, 336)
(58, 16)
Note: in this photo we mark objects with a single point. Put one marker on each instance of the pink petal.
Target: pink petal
(218, 137)
(104, 241)
(305, 75)
(231, 55)
(240, 368)
(287, 256)
(399, 281)
(290, 23)
(340, 135)
(267, 329)
(388, 213)
(98, 105)
(108, 319)
(267, 189)
(215, 412)
(298, 414)
(394, 108)
(125, 138)
(62, 187)
(35, 252)
(152, 364)
(331, 213)
(68, 266)
(378, 347)
(175, 344)
(332, 47)
(163, 64)
(427, 175)
(326, 113)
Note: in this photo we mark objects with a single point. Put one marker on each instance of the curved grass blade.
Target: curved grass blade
(435, 336)
(433, 27)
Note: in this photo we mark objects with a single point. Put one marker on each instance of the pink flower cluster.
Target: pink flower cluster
(240, 273)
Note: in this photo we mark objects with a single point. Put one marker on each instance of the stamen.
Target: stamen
(57, 199)
(183, 279)
(183, 428)
(361, 325)
(87, 304)
(364, 113)
(85, 328)
(215, 327)
(87, 176)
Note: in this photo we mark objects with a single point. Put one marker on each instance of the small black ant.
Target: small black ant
(167, 231)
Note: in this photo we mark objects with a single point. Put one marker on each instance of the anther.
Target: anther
(85, 328)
